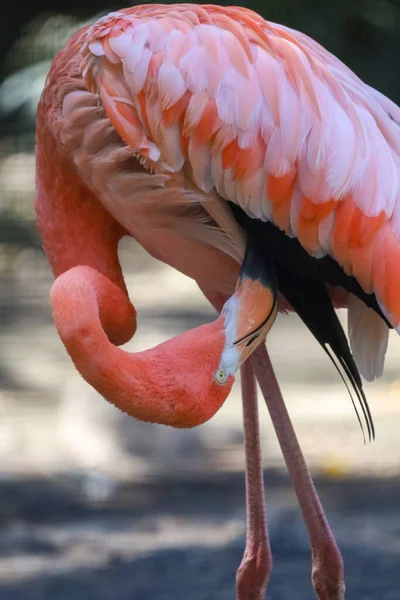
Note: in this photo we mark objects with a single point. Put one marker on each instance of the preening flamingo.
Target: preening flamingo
(245, 155)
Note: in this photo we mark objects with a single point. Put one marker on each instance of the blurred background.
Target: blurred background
(96, 505)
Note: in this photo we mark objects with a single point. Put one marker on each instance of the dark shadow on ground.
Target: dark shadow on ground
(364, 514)
(204, 574)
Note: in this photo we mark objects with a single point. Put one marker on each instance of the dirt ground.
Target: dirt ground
(94, 505)
(178, 539)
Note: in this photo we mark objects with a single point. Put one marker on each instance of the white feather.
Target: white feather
(138, 78)
(368, 334)
(200, 160)
(396, 216)
(193, 68)
(121, 44)
(275, 159)
(96, 48)
(171, 86)
(250, 191)
(136, 49)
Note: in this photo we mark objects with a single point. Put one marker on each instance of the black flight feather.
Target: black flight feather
(302, 281)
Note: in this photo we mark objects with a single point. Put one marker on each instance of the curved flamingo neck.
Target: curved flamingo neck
(172, 384)
(74, 226)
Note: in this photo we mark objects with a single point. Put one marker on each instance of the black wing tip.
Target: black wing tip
(353, 376)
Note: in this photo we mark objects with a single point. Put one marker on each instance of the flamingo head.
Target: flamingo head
(248, 314)
(173, 383)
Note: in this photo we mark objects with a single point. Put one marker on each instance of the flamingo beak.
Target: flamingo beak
(249, 315)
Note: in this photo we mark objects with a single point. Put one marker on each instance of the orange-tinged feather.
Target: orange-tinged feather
(154, 66)
(310, 216)
(185, 145)
(316, 211)
(143, 109)
(325, 209)
(129, 114)
(340, 233)
(354, 228)
(279, 187)
(363, 229)
(281, 212)
(236, 55)
(230, 25)
(204, 128)
(107, 83)
(211, 42)
(133, 136)
(113, 58)
(362, 262)
(229, 154)
(344, 216)
(379, 266)
(280, 193)
(173, 114)
(307, 233)
(248, 160)
(392, 279)
(353, 244)
(256, 31)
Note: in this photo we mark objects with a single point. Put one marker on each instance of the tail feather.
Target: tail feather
(310, 299)
(302, 281)
(368, 335)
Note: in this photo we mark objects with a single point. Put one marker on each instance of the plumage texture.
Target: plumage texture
(264, 116)
(219, 104)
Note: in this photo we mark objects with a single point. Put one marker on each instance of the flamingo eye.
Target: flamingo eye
(221, 376)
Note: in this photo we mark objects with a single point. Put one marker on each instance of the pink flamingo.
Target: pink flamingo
(243, 154)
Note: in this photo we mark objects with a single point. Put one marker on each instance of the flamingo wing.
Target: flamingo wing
(269, 120)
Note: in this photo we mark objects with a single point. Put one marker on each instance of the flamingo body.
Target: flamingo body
(217, 104)
(246, 156)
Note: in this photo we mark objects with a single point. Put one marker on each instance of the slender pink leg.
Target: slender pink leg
(327, 562)
(255, 568)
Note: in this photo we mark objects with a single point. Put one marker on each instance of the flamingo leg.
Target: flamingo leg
(255, 568)
(327, 562)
